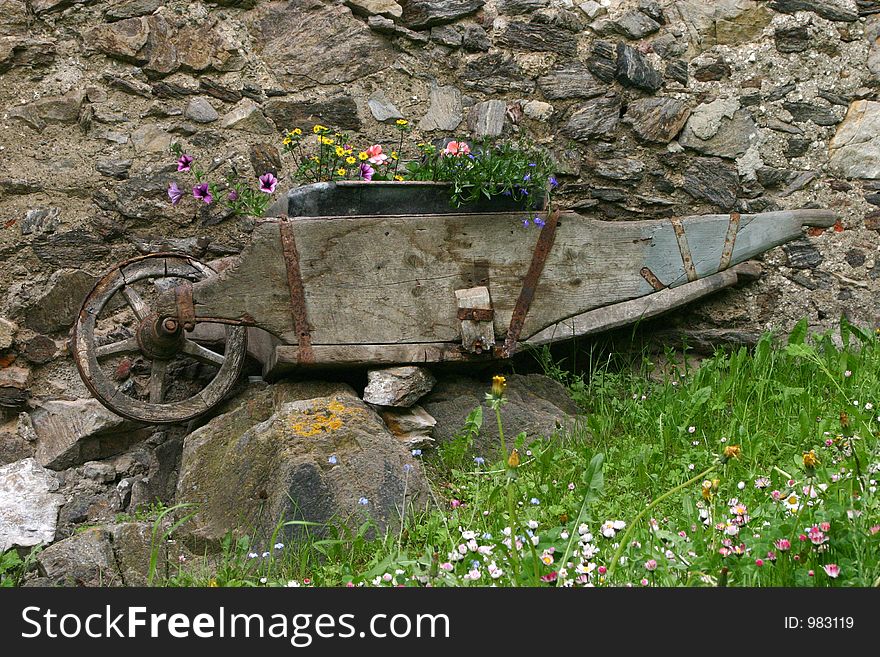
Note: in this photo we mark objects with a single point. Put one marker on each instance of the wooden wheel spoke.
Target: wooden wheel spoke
(202, 354)
(135, 301)
(157, 381)
(123, 346)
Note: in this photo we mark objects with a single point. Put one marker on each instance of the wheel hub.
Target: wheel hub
(159, 337)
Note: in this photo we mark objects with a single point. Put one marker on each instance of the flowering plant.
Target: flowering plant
(236, 195)
(516, 170)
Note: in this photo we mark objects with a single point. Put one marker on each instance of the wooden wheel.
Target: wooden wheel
(141, 365)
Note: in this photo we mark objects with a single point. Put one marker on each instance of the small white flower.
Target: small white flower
(691, 429)
(468, 534)
(262, 580)
(583, 528)
(741, 485)
(533, 524)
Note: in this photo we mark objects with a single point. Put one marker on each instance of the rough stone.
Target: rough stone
(28, 505)
(496, 73)
(420, 14)
(733, 138)
(534, 37)
(444, 109)
(386, 8)
(855, 148)
(56, 307)
(475, 39)
(382, 108)
(803, 112)
(535, 405)
(602, 61)
(792, 39)
(519, 7)
(678, 71)
(219, 91)
(40, 349)
(131, 9)
(538, 111)
(635, 25)
(264, 158)
(312, 452)
(801, 254)
(723, 22)
(77, 248)
(712, 180)
(114, 168)
(150, 139)
(398, 386)
(133, 546)
(486, 119)
(595, 117)
(41, 220)
(338, 111)
(572, 80)
(72, 432)
(855, 258)
(832, 10)
(246, 116)
(713, 71)
(201, 111)
(627, 170)
(8, 329)
(13, 447)
(657, 119)
(412, 426)
(84, 559)
(341, 47)
(633, 69)
(389, 28)
(53, 110)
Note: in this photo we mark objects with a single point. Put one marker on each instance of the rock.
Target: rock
(264, 158)
(73, 432)
(382, 108)
(678, 71)
(45, 6)
(114, 168)
(13, 447)
(802, 112)
(800, 180)
(792, 39)
(132, 9)
(398, 386)
(475, 39)
(53, 110)
(201, 111)
(723, 22)
(412, 426)
(14, 387)
(657, 119)
(133, 547)
(8, 329)
(74, 248)
(103, 473)
(124, 39)
(633, 69)
(219, 91)
(246, 116)
(41, 220)
(624, 169)
(712, 180)
(635, 25)
(535, 405)
(518, 7)
(855, 148)
(150, 139)
(602, 61)
(802, 254)
(713, 71)
(389, 28)
(386, 8)
(296, 451)
(419, 14)
(28, 505)
(855, 258)
(84, 559)
(56, 307)
(486, 119)
(572, 80)
(832, 10)
(734, 136)
(342, 48)
(338, 111)
(40, 349)
(444, 109)
(24, 52)
(598, 116)
(592, 9)
(496, 73)
(534, 37)
(873, 199)
(538, 111)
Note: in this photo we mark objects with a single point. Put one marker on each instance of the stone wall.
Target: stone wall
(651, 108)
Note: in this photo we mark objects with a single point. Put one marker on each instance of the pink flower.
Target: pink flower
(817, 537)
(174, 193)
(776, 495)
(771, 555)
(602, 570)
(375, 154)
(549, 577)
(875, 529)
(446, 566)
(811, 573)
(366, 171)
(783, 545)
(203, 192)
(184, 162)
(455, 503)
(825, 526)
(644, 582)
(268, 183)
(802, 537)
(651, 565)
(456, 148)
(759, 562)
(832, 570)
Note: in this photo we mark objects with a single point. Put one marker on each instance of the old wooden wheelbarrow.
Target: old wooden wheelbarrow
(342, 281)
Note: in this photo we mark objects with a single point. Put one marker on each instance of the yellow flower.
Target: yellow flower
(340, 151)
(399, 178)
(402, 122)
(287, 141)
(350, 160)
(363, 155)
(315, 158)
(513, 461)
(318, 129)
(706, 490)
(212, 583)
(327, 141)
(810, 459)
(340, 172)
(732, 451)
(499, 383)
(297, 131)
(393, 155)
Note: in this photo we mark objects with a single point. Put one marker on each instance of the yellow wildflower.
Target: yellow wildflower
(402, 122)
(315, 158)
(340, 172)
(363, 155)
(350, 160)
(393, 155)
(499, 383)
(328, 141)
(810, 459)
(399, 178)
(731, 451)
(297, 132)
(706, 490)
(287, 141)
(318, 129)
(340, 151)
(513, 461)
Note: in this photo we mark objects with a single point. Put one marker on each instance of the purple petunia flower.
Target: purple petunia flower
(268, 183)
(553, 182)
(526, 222)
(366, 171)
(539, 222)
(203, 192)
(174, 193)
(184, 162)
(233, 195)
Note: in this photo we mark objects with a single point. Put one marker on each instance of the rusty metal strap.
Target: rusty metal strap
(476, 314)
(530, 283)
(186, 312)
(729, 241)
(297, 293)
(686, 258)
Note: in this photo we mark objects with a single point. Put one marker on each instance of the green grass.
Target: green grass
(639, 456)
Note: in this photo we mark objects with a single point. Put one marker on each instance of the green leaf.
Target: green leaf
(799, 332)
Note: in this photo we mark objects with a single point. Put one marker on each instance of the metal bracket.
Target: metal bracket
(476, 314)
(186, 312)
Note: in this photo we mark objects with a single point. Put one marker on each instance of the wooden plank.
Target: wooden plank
(476, 336)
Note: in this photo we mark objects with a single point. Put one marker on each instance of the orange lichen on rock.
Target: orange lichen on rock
(322, 418)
